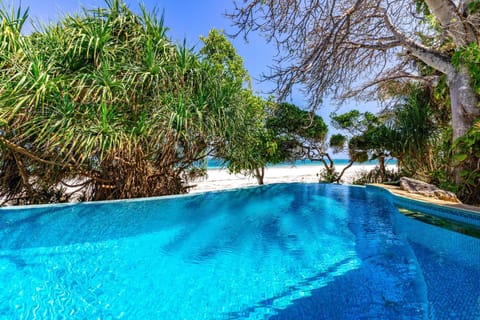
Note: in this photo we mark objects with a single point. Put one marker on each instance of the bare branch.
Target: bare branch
(431, 57)
(451, 20)
(331, 46)
(388, 78)
(326, 45)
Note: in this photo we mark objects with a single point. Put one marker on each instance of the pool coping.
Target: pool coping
(450, 210)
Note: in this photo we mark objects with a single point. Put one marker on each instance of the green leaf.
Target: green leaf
(460, 157)
(464, 173)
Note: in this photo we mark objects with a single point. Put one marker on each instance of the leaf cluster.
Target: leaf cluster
(469, 57)
(467, 155)
(104, 98)
(289, 120)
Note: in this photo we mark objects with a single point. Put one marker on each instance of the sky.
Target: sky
(188, 20)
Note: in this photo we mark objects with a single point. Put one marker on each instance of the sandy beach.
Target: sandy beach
(220, 179)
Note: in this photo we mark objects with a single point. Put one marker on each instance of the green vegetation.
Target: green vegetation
(366, 138)
(427, 74)
(301, 134)
(276, 133)
(105, 99)
(417, 133)
(105, 102)
(467, 155)
(254, 147)
(246, 147)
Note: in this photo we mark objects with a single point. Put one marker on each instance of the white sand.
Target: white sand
(220, 179)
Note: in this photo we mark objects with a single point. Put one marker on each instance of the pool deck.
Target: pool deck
(395, 190)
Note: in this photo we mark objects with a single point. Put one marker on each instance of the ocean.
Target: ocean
(217, 164)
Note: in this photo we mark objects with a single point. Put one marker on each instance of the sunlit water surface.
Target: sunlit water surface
(286, 251)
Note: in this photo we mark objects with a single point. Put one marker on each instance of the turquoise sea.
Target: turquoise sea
(217, 164)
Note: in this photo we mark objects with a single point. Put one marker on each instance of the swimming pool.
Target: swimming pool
(285, 251)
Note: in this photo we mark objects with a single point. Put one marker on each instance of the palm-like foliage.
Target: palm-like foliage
(414, 134)
(106, 98)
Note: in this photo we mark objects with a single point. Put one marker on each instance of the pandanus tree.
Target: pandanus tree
(105, 99)
(414, 133)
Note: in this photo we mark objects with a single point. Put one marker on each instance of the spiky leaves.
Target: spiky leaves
(104, 97)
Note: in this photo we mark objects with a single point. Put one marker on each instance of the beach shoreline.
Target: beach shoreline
(221, 179)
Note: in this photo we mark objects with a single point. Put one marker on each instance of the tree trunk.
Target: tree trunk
(381, 165)
(464, 102)
(259, 175)
(463, 98)
(350, 163)
(464, 108)
(452, 21)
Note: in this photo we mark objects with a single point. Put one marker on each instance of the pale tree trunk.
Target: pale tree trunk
(452, 20)
(464, 102)
(464, 108)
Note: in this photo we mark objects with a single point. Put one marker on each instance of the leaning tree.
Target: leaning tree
(349, 46)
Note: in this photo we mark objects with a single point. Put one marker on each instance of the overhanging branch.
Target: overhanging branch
(431, 57)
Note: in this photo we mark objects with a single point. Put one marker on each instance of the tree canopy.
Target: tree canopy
(331, 46)
(299, 133)
(105, 101)
(376, 50)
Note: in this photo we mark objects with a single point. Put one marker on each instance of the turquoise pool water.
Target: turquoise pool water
(286, 251)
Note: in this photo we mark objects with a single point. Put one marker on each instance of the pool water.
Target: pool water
(285, 251)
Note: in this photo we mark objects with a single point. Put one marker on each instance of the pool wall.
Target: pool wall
(456, 214)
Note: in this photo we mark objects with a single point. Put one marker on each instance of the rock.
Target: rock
(425, 189)
(446, 195)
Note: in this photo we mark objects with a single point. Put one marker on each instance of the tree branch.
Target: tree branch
(450, 19)
(27, 153)
(433, 58)
(17, 149)
(388, 78)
